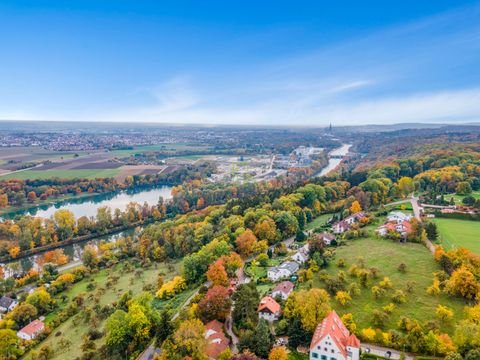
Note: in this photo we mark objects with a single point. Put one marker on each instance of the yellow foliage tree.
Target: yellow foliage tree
(278, 353)
(355, 207)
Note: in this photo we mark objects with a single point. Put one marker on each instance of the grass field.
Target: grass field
(454, 233)
(159, 147)
(64, 174)
(386, 256)
(75, 327)
(458, 198)
(317, 222)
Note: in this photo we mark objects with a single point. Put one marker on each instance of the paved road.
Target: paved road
(380, 351)
(415, 206)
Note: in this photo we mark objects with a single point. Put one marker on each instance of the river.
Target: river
(85, 207)
(335, 157)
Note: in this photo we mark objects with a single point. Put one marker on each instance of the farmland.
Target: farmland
(386, 255)
(454, 233)
(64, 174)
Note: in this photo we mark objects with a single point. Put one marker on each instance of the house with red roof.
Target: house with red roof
(217, 342)
(269, 309)
(333, 341)
(32, 330)
(283, 290)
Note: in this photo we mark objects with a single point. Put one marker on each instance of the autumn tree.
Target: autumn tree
(266, 230)
(405, 186)
(22, 314)
(463, 283)
(217, 275)
(41, 300)
(355, 207)
(310, 306)
(245, 243)
(215, 305)
(65, 223)
(188, 341)
(278, 353)
(9, 344)
(444, 313)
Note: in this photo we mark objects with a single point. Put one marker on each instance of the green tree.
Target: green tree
(9, 345)
(246, 300)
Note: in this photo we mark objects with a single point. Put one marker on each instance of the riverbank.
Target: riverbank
(87, 204)
(335, 158)
(48, 202)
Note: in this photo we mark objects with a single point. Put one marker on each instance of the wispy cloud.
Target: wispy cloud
(425, 71)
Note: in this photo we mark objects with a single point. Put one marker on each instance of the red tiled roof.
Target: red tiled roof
(353, 341)
(217, 342)
(285, 286)
(269, 304)
(33, 328)
(332, 325)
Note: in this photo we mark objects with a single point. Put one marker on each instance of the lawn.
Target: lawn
(75, 327)
(400, 207)
(64, 174)
(458, 198)
(386, 256)
(319, 221)
(456, 232)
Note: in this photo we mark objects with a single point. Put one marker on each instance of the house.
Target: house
(302, 255)
(7, 304)
(327, 238)
(217, 342)
(344, 225)
(32, 330)
(269, 309)
(398, 216)
(333, 341)
(340, 227)
(403, 228)
(282, 271)
(283, 290)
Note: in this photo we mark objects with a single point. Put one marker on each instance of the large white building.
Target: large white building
(333, 341)
(283, 271)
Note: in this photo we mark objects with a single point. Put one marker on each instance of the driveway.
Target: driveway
(381, 351)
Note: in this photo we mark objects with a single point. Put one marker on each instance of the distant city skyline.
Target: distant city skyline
(303, 63)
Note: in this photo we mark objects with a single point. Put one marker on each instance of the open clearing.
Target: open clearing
(454, 233)
(386, 256)
(319, 221)
(75, 327)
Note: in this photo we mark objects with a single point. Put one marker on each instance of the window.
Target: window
(332, 351)
(332, 358)
(314, 355)
(324, 357)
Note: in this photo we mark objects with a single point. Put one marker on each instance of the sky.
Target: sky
(292, 63)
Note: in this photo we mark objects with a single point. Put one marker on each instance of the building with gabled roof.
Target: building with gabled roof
(269, 309)
(333, 341)
(217, 342)
(283, 271)
(283, 290)
(32, 330)
(7, 304)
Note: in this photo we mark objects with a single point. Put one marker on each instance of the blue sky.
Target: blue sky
(240, 62)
